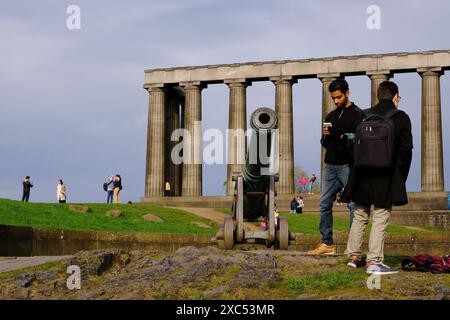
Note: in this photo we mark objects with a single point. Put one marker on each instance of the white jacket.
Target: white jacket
(61, 192)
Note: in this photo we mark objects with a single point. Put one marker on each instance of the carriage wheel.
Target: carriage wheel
(228, 233)
(283, 233)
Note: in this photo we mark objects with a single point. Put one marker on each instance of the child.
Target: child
(263, 224)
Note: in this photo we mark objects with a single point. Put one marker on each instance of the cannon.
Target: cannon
(254, 192)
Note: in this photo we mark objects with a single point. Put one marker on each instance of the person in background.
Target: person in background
(117, 188)
(61, 191)
(311, 183)
(303, 182)
(110, 189)
(300, 204)
(294, 204)
(27, 185)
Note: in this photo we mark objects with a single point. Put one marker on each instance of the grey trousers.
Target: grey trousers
(380, 221)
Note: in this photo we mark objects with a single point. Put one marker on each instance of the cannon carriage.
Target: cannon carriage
(254, 194)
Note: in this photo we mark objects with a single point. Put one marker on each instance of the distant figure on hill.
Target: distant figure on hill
(311, 183)
(27, 185)
(109, 188)
(61, 191)
(117, 187)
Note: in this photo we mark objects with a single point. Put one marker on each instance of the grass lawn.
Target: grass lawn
(309, 224)
(55, 215)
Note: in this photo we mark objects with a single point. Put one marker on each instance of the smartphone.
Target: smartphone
(327, 125)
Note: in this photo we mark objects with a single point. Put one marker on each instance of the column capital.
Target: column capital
(432, 71)
(193, 84)
(154, 87)
(328, 77)
(239, 82)
(379, 74)
(283, 79)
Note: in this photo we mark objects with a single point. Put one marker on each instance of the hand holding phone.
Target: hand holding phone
(327, 128)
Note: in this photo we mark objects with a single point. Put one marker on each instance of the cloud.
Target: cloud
(72, 103)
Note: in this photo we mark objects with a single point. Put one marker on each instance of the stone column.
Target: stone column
(432, 158)
(237, 126)
(173, 171)
(283, 108)
(327, 106)
(154, 179)
(192, 142)
(376, 78)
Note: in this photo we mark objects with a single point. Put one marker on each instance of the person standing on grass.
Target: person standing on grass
(27, 185)
(338, 126)
(303, 182)
(61, 191)
(110, 189)
(311, 184)
(382, 187)
(117, 187)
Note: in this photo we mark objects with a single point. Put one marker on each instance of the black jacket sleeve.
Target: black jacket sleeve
(405, 145)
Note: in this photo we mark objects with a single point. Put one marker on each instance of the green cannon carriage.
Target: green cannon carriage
(254, 193)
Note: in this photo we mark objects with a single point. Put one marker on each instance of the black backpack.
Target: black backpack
(105, 186)
(374, 141)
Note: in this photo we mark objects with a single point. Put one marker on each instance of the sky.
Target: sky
(72, 105)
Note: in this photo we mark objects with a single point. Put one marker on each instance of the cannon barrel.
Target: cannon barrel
(264, 124)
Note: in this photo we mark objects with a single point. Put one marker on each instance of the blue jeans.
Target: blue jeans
(109, 199)
(334, 179)
(311, 187)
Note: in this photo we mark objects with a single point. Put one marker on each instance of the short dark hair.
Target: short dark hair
(387, 90)
(27, 177)
(338, 84)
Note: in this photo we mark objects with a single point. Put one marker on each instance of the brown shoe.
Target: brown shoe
(323, 249)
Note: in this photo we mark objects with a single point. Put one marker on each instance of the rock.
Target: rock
(306, 296)
(76, 208)
(201, 225)
(93, 262)
(215, 293)
(114, 213)
(24, 280)
(152, 218)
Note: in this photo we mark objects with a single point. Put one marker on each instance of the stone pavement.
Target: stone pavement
(14, 263)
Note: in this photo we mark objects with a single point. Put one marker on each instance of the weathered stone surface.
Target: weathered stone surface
(25, 280)
(201, 224)
(193, 273)
(153, 218)
(93, 262)
(77, 208)
(114, 213)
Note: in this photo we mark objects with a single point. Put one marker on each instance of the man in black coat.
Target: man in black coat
(381, 187)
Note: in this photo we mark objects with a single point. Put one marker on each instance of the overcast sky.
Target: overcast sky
(73, 107)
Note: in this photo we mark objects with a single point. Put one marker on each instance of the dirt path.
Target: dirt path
(15, 263)
(212, 214)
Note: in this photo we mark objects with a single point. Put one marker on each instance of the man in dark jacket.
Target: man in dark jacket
(27, 185)
(380, 187)
(338, 157)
